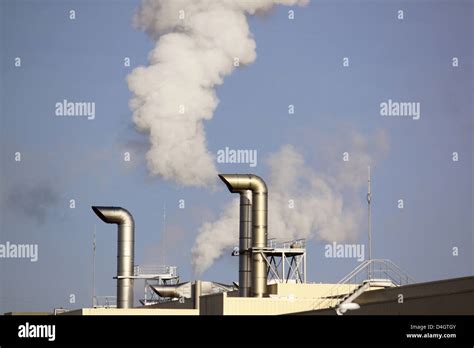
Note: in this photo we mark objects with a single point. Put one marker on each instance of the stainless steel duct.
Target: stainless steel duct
(125, 251)
(245, 243)
(173, 290)
(237, 183)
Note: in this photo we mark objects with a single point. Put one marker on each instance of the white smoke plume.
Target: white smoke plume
(196, 44)
(326, 205)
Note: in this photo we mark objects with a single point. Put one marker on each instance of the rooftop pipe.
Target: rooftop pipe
(125, 251)
(239, 183)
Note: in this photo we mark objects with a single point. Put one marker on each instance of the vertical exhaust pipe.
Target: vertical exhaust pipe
(245, 243)
(125, 251)
(241, 182)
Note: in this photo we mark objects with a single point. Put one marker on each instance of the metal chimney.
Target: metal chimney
(237, 183)
(125, 251)
(245, 243)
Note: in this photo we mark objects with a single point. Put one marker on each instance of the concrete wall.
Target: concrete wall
(221, 304)
(265, 306)
(308, 290)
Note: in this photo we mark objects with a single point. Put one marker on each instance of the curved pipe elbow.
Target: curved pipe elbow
(114, 215)
(257, 184)
(239, 182)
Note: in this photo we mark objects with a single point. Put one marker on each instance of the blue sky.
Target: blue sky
(299, 62)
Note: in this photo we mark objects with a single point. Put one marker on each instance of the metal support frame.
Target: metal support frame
(285, 261)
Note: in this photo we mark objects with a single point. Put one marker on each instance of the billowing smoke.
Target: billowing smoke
(198, 43)
(303, 203)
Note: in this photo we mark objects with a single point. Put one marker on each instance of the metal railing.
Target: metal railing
(155, 270)
(105, 302)
(292, 244)
(367, 271)
(376, 269)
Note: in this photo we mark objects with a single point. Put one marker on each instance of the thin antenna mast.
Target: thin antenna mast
(369, 199)
(163, 236)
(93, 270)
